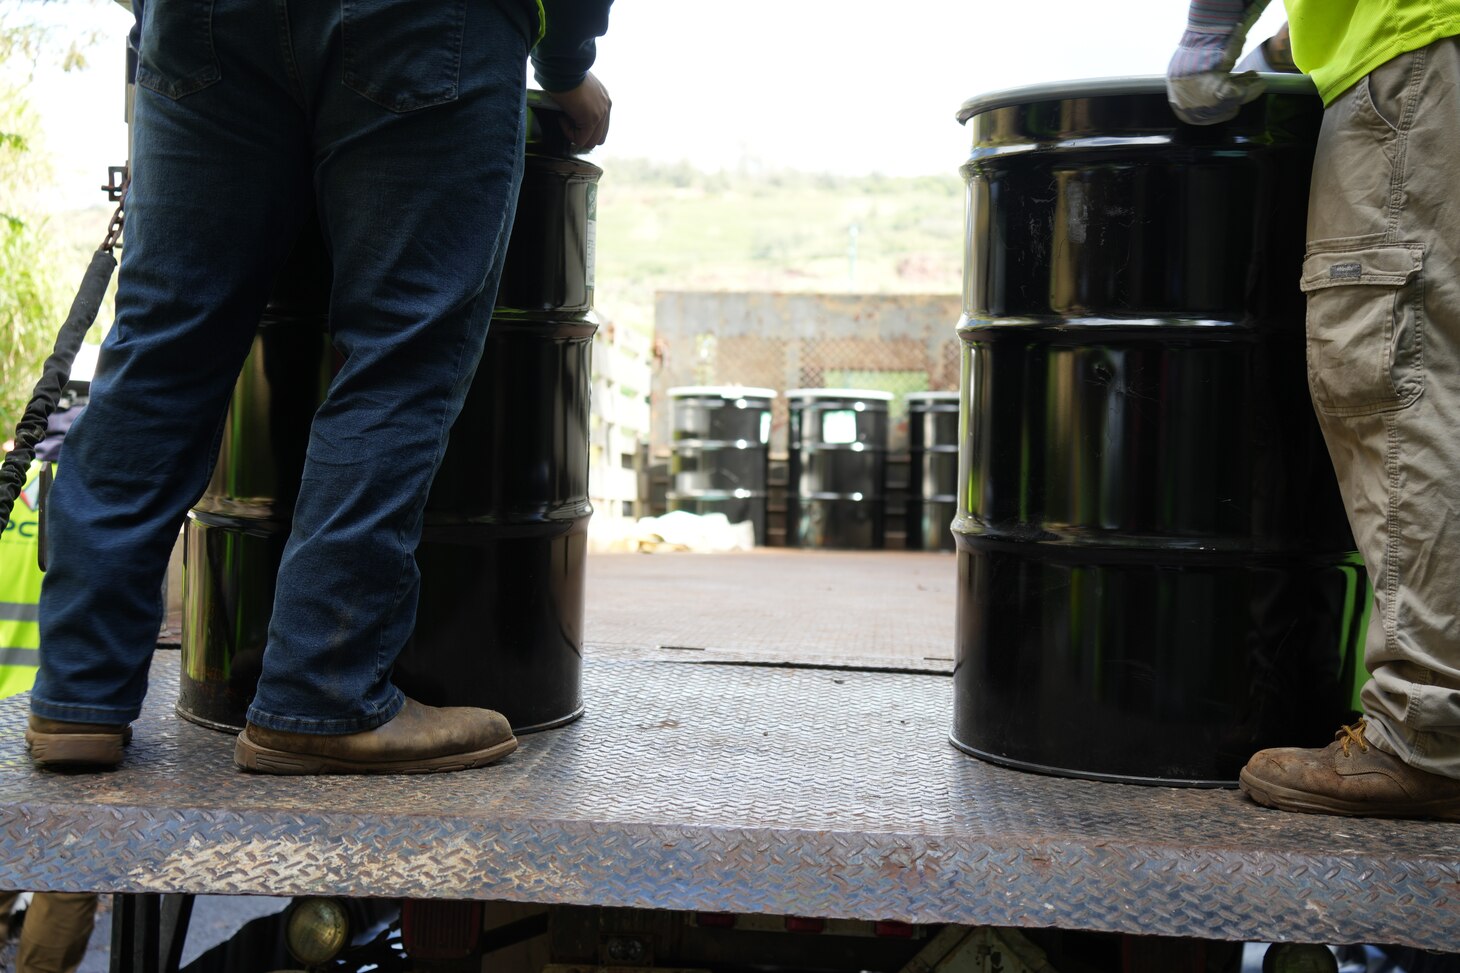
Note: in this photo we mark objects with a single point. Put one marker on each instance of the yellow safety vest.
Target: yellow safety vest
(1340, 41)
(20, 591)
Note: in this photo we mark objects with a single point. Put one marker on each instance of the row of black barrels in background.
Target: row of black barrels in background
(837, 489)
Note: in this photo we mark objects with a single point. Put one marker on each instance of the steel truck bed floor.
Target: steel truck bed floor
(873, 609)
(732, 788)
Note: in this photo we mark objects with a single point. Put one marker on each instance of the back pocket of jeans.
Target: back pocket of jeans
(403, 54)
(1365, 328)
(177, 57)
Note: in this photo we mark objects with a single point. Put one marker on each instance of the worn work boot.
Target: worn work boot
(54, 744)
(420, 740)
(1350, 776)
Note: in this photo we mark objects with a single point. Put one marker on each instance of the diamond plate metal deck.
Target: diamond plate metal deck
(738, 789)
(880, 609)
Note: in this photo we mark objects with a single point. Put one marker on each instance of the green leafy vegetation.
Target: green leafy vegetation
(29, 296)
(33, 256)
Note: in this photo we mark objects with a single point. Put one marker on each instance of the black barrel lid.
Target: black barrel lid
(1150, 84)
(870, 395)
(720, 391)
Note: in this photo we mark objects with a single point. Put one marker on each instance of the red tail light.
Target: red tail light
(804, 924)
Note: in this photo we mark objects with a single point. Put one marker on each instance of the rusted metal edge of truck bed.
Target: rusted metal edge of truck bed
(731, 789)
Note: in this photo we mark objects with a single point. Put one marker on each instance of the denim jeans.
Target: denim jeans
(401, 123)
(1384, 370)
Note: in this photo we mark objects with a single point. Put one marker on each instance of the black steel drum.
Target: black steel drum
(838, 468)
(721, 452)
(932, 483)
(1156, 577)
(500, 621)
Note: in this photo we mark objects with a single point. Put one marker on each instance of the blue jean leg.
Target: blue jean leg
(220, 178)
(416, 207)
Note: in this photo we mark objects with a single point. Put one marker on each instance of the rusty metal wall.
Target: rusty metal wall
(896, 343)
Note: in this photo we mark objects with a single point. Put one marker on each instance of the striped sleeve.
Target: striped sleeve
(1215, 30)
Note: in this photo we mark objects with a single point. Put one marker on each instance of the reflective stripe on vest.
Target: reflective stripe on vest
(20, 655)
(19, 611)
(20, 588)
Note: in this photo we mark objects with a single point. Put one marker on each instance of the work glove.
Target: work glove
(1200, 84)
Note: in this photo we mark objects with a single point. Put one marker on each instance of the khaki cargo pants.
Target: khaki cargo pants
(1382, 277)
(57, 929)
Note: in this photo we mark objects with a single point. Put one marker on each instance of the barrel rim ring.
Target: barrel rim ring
(744, 444)
(726, 391)
(840, 393)
(1148, 84)
(1049, 770)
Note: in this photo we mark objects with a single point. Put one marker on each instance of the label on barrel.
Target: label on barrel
(839, 427)
(591, 236)
(765, 426)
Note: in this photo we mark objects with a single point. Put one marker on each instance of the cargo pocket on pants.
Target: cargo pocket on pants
(1365, 328)
(403, 54)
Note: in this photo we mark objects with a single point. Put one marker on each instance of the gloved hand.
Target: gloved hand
(1200, 84)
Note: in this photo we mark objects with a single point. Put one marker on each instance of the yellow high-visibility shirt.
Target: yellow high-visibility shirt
(1338, 42)
(20, 592)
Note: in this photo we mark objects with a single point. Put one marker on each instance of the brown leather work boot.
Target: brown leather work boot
(1350, 776)
(55, 744)
(420, 740)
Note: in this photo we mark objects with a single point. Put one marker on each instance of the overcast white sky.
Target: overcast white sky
(840, 85)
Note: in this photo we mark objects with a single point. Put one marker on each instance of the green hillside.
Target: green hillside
(676, 228)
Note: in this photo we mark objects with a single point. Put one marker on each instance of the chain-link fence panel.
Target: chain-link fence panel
(897, 343)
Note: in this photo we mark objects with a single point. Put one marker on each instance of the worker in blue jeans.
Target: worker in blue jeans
(401, 123)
